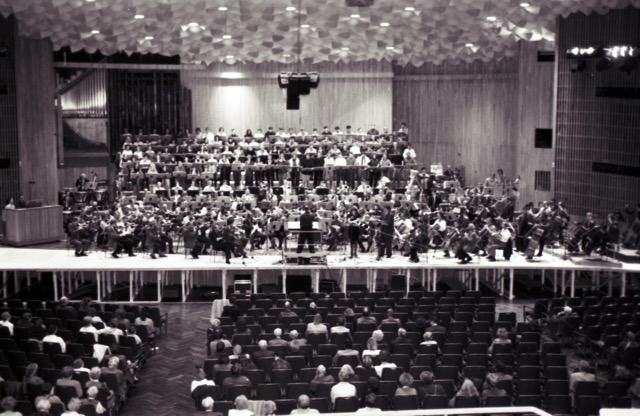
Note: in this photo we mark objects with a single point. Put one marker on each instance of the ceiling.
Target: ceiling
(202, 31)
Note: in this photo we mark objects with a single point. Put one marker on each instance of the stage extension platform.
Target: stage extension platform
(499, 274)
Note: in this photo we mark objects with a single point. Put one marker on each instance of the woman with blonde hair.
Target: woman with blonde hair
(467, 396)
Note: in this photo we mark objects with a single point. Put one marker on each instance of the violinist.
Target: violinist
(79, 237)
(419, 242)
(386, 232)
(438, 230)
(153, 240)
(353, 221)
(583, 229)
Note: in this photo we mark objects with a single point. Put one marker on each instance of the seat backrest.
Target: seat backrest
(406, 402)
(346, 405)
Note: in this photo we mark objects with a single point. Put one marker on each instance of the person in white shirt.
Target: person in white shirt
(88, 327)
(499, 240)
(242, 407)
(384, 363)
(6, 322)
(409, 155)
(343, 388)
(52, 331)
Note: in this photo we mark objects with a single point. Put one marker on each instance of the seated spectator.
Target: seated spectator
(428, 387)
(144, 319)
(52, 336)
(241, 407)
(269, 408)
(200, 380)
(405, 389)
(112, 368)
(428, 340)
(25, 321)
(207, 406)
(237, 353)
(277, 341)
(366, 318)
(87, 327)
(502, 338)
(492, 390)
(384, 363)
(294, 345)
(467, 389)
(31, 377)
(72, 407)
(8, 404)
(303, 406)
(344, 388)
(235, 379)
(583, 374)
(321, 377)
(262, 352)
(217, 348)
(346, 352)
(317, 327)
(280, 363)
(78, 366)
(499, 369)
(42, 406)
(390, 319)
(372, 345)
(222, 365)
(340, 327)
(369, 405)
(67, 380)
(287, 313)
(92, 394)
(367, 365)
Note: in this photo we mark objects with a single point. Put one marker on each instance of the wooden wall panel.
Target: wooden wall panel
(595, 129)
(535, 110)
(461, 115)
(35, 84)
(357, 95)
(9, 152)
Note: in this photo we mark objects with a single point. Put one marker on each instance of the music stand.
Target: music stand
(162, 192)
(192, 192)
(300, 191)
(322, 191)
(278, 190)
(254, 190)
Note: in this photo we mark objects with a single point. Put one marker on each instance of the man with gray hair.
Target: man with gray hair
(92, 394)
(277, 341)
(263, 352)
(321, 377)
(207, 405)
(303, 406)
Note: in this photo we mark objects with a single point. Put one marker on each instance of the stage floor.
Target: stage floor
(39, 259)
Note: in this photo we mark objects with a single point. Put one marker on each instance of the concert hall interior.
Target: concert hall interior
(273, 190)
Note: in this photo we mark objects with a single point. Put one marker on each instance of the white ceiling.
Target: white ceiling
(264, 31)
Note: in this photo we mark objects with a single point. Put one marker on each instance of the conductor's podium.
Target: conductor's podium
(290, 254)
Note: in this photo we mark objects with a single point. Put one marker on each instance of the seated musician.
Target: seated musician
(79, 237)
(81, 182)
(438, 229)
(119, 240)
(467, 245)
(499, 240)
(153, 239)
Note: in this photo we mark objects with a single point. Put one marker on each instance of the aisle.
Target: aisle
(165, 383)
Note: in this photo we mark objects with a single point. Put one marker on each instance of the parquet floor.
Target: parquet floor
(165, 383)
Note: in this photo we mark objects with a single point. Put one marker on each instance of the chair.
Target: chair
(405, 402)
(447, 373)
(498, 401)
(535, 401)
(268, 392)
(235, 391)
(435, 402)
(86, 409)
(452, 360)
(392, 374)
(66, 393)
(556, 373)
(346, 405)
(316, 339)
(282, 377)
(294, 390)
(528, 387)
(306, 375)
(612, 392)
(585, 388)
(26, 408)
(462, 402)
(321, 404)
(327, 349)
(528, 373)
(324, 390)
(321, 360)
(588, 405)
(63, 360)
(222, 406)
(475, 372)
(401, 360)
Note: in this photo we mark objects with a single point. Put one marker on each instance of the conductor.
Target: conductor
(306, 231)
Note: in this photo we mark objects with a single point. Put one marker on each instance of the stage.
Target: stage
(70, 272)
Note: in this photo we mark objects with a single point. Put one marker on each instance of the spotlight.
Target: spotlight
(628, 65)
(578, 65)
(604, 64)
(283, 79)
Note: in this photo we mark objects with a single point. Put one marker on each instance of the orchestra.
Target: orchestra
(227, 193)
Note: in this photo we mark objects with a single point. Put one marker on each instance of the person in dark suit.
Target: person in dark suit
(386, 233)
(306, 231)
(231, 310)
(262, 352)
